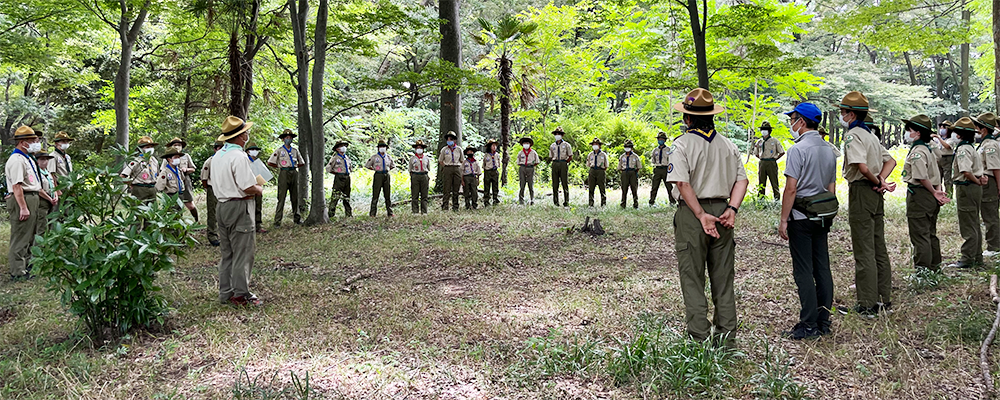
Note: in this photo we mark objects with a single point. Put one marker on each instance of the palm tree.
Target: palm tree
(501, 42)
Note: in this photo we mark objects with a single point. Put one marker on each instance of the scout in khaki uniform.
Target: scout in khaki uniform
(597, 165)
(23, 182)
(450, 160)
(48, 198)
(969, 179)
(629, 164)
(171, 180)
(822, 132)
(185, 166)
(340, 166)
(924, 196)
(210, 200)
(875, 129)
(710, 182)
(140, 173)
(288, 160)
(866, 165)
(527, 159)
(253, 151)
(62, 165)
(989, 151)
(420, 165)
(381, 163)
(660, 159)
(768, 150)
(470, 178)
(946, 142)
(235, 185)
(491, 173)
(561, 154)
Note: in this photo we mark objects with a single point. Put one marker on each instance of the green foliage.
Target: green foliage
(774, 378)
(104, 250)
(924, 280)
(262, 388)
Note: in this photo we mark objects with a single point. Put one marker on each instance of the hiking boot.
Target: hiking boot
(214, 243)
(245, 301)
(802, 331)
(990, 253)
(867, 312)
(885, 307)
(961, 264)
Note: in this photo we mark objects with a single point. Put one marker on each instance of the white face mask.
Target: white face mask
(558, 137)
(419, 151)
(628, 149)
(381, 150)
(342, 149)
(147, 150)
(63, 146)
(979, 135)
(765, 133)
(843, 122)
(942, 132)
(175, 162)
(909, 137)
(596, 147)
(253, 153)
(526, 146)
(34, 147)
(954, 135)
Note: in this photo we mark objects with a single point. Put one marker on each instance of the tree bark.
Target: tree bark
(505, 76)
(128, 33)
(451, 51)
(964, 99)
(186, 118)
(909, 68)
(996, 54)
(317, 210)
(241, 61)
(698, 34)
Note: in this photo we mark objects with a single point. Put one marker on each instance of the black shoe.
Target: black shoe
(824, 328)
(961, 264)
(885, 307)
(214, 243)
(298, 221)
(867, 312)
(801, 331)
(20, 278)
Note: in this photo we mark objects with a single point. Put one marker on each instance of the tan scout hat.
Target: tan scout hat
(596, 141)
(699, 102)
(855, 101)
(451, 134)
(252, 146)
(44, 153)
(172, 152)
(661, 135)
(341, 143)
(869, 120)
(921, 122)
(986, 119)
(233, 126)
(419, 144)
(177, 140)
(24, 133)
(964, 124)
(558, 131)
(490, 142)
(766, 126)
(146, 141)
(287, 132)
(62, 136)
(628, 143)
(527, 139)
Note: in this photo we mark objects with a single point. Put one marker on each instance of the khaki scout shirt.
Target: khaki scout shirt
(281, 158)
(420, 163)
(47, 183)
(861, 146)
(836, 151)
(921, 164)
(21, 169)
(141, 171)
(561, 150)
(471, 167)
(966, 160)
(339, 164)
(61, 165)
(660, 156)
(709, 162)
(231, 173)
(206, 171)
(380, 163)
(168, 182)
(768, 148)
(451, 157)
(939, 150)
(597, 159)
(186, 164)
(528, 157)
(629, 161)
(989, 151)
(491, 162)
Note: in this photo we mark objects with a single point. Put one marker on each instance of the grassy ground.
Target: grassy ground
(503, 303)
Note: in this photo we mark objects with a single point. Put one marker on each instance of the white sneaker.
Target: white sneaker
(988, 253)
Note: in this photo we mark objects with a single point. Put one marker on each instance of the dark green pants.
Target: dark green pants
(696, 253)
(42, 220)
(660, 176)
(969, 199)
(630, 180)
(597, 178)
(921, 218)
(22, 233)
(944, 166)
(872, 270)
(287, 185)
(237, 243)
(560, 174)
(419, 186)
(341, 192)
(258, 211)
(451, 176)
(381, 185)
(143, 193)
(211, 202)
(990, 212)
(526, 176)
(471, 191)
(768, 170)
(491, 187)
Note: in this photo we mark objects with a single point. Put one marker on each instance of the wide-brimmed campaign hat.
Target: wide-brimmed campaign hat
(945, 123)
(172, 152)
(986, 119)
(62, 136)
(177, 140)
(596, 141)
(252, 146)
(869, 120)
(661, 135)
(451, 134)
(341, 143)
(382, 143)
(145, 141)
(766, 126)
(232, 127)
(24, 133)
(527, 139)
(855, 101)
(419, 144)
(489, 143)
(287, 132)
(699, 102)
(628, 143)
(558, 131)
(473, 149)
(44, 153)
(964, 124)
(922, 122)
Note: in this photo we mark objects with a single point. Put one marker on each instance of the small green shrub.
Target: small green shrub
(774, 379)
(104, 250)
(273, 389)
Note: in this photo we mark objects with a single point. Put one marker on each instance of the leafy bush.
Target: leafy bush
(104, 250)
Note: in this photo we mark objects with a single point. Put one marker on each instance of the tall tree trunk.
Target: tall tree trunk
(938, 78)
(964, 99)
(505, 76)
(451, 51)
(698, 34)
(317, 210)
(235, 77)
(996, 54)
(128, 33)
(185, 120)
(909, 68)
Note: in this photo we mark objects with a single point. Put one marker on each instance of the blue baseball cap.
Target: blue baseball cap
(809, 111)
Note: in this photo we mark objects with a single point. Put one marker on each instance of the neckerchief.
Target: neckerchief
(347, 168)
(288, 150)
(177, 174)
(709, 136)
(69, 165)
(860, 124)
(31, 163)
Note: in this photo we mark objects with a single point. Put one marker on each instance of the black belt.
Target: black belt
(560, 160)
(863, 182)
(381, 172)
(341, 174)
(491, 169)
(947, 155)
(769, 159)
(962, 183)
(148, 185)
(237, 198)
(418, 173)
(471, 174)
(660, 167)
(288, 168)
(31, 193)
(707, 201)
(527, 166)
(599, 169)
(630, 169)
